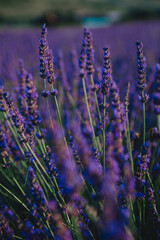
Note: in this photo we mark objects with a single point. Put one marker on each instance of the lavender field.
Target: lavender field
(80, 133)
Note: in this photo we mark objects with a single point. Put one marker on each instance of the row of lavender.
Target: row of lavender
(70, 166)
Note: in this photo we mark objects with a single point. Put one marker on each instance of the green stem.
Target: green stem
(17, 237)
(60, 120)
(27, 147)
(7, 190)
(95, 95)
(144, 120)
(44, 179)
(144, 140)
(49, 112)
(40, 142)
(130, 202)
(14, 134)
(104, 135)
(129, 142)
(73, 104)
(87, 105)
(19, 186)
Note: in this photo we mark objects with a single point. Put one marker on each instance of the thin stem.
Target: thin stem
(130, 203)
(14, 134)
(89, 113)
(158, 123)
(129, 142)
(144, 120)
(49, 112)
(19, 186)
(104, 134)
(144, 140)
(40, 142)
(87, 105)
(95, 95)
(73, 104)
(7, 190)
(17, 237)
(60, 120)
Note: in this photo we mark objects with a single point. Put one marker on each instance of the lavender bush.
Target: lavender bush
(79, 150)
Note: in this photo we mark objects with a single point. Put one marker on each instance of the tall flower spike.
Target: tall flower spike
(90, 53)
(118, 110)
(142, 167)
(83, 55)
(3, 105)
(14, 114)
(51, 77)
(22, 78)
(21, 89)
(106, 72)
(43, 53)
(50, 162)
(32, 96)
(4, 149)
(141, 67)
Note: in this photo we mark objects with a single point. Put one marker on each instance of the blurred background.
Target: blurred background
(93, 13)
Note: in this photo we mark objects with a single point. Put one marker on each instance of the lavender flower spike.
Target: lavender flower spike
(43, 53)
(90, 54)
(106, 72)
(141, 62)
(83, 55)
(51, 77)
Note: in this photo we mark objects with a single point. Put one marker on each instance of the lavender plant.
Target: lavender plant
(75, 161)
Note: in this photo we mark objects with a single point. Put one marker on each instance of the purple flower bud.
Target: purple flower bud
(144, 98)
(54, 92)
(45, 93)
